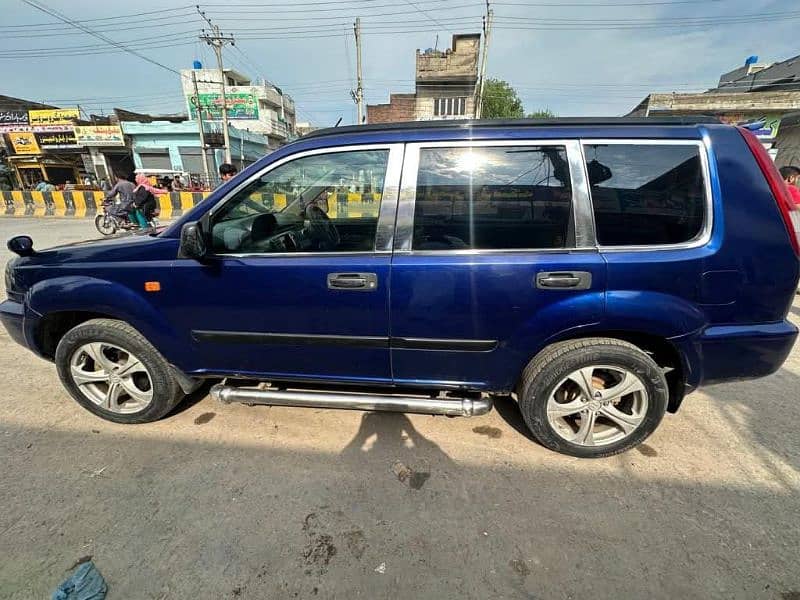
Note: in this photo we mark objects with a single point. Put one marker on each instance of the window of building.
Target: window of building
(645, 194)
(445, 107)
(492, 197)
(320, 203)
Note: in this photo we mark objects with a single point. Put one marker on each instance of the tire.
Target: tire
(101, 353)
(586, 379)
(105, 224)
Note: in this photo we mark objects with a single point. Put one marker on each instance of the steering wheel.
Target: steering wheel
(321, 228)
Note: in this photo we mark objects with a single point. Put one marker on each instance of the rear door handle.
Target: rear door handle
(563, 280)
(357, 282)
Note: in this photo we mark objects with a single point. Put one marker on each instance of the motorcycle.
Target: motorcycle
(109, 222)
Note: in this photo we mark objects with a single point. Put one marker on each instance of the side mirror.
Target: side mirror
(193, 242)
(21, 245)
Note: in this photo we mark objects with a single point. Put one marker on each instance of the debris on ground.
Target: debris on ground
(413, 479)
(381, 568)
(85, 583)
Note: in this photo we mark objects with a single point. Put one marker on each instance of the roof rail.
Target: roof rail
(500, 123)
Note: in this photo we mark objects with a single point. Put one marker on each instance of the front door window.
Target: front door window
(319, 203)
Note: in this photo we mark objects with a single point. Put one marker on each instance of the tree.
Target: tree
(500, 101)
(542, 113)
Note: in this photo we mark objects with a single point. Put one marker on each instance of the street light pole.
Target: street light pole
(487, 30)
(199, 108)
(359, 93)
(217, 41)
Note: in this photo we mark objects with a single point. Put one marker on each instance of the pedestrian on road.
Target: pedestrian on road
(791, 175)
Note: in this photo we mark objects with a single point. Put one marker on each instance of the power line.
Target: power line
(123, 17)
(45, 9)
(419, 10)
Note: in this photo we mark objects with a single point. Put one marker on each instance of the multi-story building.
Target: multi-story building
(445, 83)
(258, 108)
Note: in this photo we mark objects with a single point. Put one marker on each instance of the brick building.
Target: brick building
(445, 83)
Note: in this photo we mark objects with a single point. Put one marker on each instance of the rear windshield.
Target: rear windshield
(646, 194)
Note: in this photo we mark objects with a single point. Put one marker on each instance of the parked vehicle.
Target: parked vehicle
(110, 221)
(595, 270)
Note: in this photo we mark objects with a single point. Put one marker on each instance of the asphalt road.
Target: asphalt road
(239, 502)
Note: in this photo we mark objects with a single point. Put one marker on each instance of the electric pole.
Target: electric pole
(217, 41)
(199, 108)
(487, 31)
(358, 95)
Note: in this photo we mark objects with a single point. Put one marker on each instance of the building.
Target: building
(444, 85)
(38, 142)
(175, 146)
(761, 96)
(262, 109)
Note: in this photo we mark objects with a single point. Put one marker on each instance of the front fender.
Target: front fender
(90, 294)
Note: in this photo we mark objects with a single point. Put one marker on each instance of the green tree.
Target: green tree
(542, 113)
(500, 101)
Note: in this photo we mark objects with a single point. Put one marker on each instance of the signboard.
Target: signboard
(240, 106)
(13, 119)
(765, 127)
(57, 140)
(100, 135)
(24, 142)
(57, 116)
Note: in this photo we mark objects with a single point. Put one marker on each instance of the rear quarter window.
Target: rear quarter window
(646, 194)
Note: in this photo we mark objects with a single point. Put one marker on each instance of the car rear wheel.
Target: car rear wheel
(593, 397)
(110, 369)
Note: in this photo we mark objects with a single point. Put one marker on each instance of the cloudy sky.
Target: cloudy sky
(575, 57)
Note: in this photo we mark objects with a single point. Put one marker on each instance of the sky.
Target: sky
(573, 57)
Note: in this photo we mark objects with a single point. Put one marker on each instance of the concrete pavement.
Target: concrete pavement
(238, 502)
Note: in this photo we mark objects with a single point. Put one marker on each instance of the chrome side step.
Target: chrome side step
(457, 407)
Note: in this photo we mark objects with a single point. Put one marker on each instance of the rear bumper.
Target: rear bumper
(736, 352)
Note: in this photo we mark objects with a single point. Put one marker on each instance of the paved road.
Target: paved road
(237, 502)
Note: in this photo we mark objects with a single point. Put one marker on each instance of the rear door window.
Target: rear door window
(492, 197)
(646, 194)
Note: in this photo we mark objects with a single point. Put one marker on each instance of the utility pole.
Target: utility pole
(358, 95)
(217, 41)
(199, 108)
(487, 31)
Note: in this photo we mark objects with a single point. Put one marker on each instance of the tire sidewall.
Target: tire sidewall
(534, 397)
(164, 388)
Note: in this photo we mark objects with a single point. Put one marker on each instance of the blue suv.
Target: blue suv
(596, 270)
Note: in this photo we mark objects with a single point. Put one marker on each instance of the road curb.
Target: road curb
(78, 204)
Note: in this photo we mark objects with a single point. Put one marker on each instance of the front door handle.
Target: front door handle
(563, 280)
(357, 282)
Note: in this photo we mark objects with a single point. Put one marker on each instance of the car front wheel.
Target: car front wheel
(593, 397)
(110, 369)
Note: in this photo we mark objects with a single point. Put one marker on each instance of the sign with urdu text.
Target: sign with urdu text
(240, 106)
(57, 140)
(10, 120)
(100, 135)
(57, 116)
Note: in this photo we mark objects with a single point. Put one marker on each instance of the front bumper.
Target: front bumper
(12, 314)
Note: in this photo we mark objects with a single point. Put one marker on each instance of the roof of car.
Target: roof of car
(512, 123)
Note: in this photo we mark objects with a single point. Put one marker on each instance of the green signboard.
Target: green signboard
(240, 106)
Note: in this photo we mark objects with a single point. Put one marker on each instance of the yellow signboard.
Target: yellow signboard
(24, 142)
(100, 135)
(57, 116)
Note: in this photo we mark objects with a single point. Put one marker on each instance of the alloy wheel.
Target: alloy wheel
(597, 405)
(111, 377)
